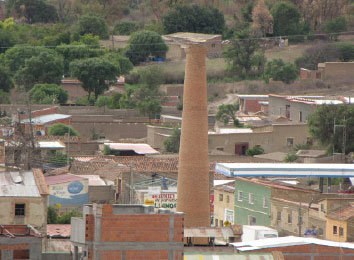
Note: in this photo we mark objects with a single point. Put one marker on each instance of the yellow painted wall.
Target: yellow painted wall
(220, 206)
(329, 230)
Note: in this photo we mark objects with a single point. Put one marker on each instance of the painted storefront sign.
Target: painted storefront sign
(70, 193)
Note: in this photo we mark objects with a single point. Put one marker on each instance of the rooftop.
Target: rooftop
(193, 37)
(137, 148)
(18, 184)
(285, 169)
(94, 180)
(287, 241)
(13, 231)
(51, 145)
(62, 231)
(62, 178)
(342, 214)
(41, 120)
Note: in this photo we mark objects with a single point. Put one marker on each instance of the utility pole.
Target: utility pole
(131, 182)
(300, 220)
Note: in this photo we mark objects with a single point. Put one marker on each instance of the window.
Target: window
(19, 209)
(290, 218)
(265, 202)
(221, 223)
(213, 45)
(290, 141)
(251, 198)
(335, 230)
(252, 220)
(220, 148)
(279, 215)
(300, 116)
(322, 207)
(239, 195)
(221, 197)
(228, 199)
(216, 222)
(341, 231)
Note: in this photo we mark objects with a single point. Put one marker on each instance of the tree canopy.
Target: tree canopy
(61, 130)
(171, 143)
(287, 19)
(6, 82)
(47, 67)
(227, 112)
(34, 11)
(193, 18)
(277, 69)
(94, 24)
(321, 126)
(143, 44)
(48, 94)
(244, 56)
(94, 74)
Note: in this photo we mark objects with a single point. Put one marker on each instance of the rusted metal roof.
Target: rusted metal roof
(18, 184)
(217, 232)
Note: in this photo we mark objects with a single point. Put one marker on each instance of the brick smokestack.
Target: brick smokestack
(193, 171)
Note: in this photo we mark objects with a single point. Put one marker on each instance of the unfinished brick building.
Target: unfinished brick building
(129, 232)
(193, 171)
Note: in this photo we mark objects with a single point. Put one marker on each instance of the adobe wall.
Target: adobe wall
(74, 90)
(101, 194)
(342, 71)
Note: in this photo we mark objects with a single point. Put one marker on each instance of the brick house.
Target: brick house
(20, 242)
(129, 232)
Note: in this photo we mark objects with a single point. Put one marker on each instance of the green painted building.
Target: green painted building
(252, 203)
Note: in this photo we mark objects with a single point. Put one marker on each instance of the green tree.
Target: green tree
(193, 18)
(143, 44)
(13, 59)
(277, 69)
(334, 26)
(287, 20)
(52, 215)
(147, 95)
(125, 27)
(47, 67)
(171, 143)
(94, 74)
(48, 94)
(227, 112)
(59, 159)
(94, 24)
(346, 51)
(61, 130)
(321, 126)
(120, 61)
(4, 97)
(244, 55)
(6, 82)
(35, 11)
(7, 40)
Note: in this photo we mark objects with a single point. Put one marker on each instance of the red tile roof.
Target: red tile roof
(343, 213)
(62, 178)
(54, 230)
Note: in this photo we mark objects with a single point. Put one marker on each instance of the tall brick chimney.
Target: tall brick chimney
(193, 171)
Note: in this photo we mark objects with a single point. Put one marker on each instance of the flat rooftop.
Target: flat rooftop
(285, 169)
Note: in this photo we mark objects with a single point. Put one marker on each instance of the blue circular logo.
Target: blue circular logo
(75, 187)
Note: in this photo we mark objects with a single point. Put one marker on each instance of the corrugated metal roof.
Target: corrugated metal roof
(219, 256)
(137, 148)
(287, 241)
(217, 232)
(15, 184)
(62, 178)
(51, 145)
(62, 231)
(40, 120)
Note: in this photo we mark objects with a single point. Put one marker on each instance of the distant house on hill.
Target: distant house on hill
(334, 71)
